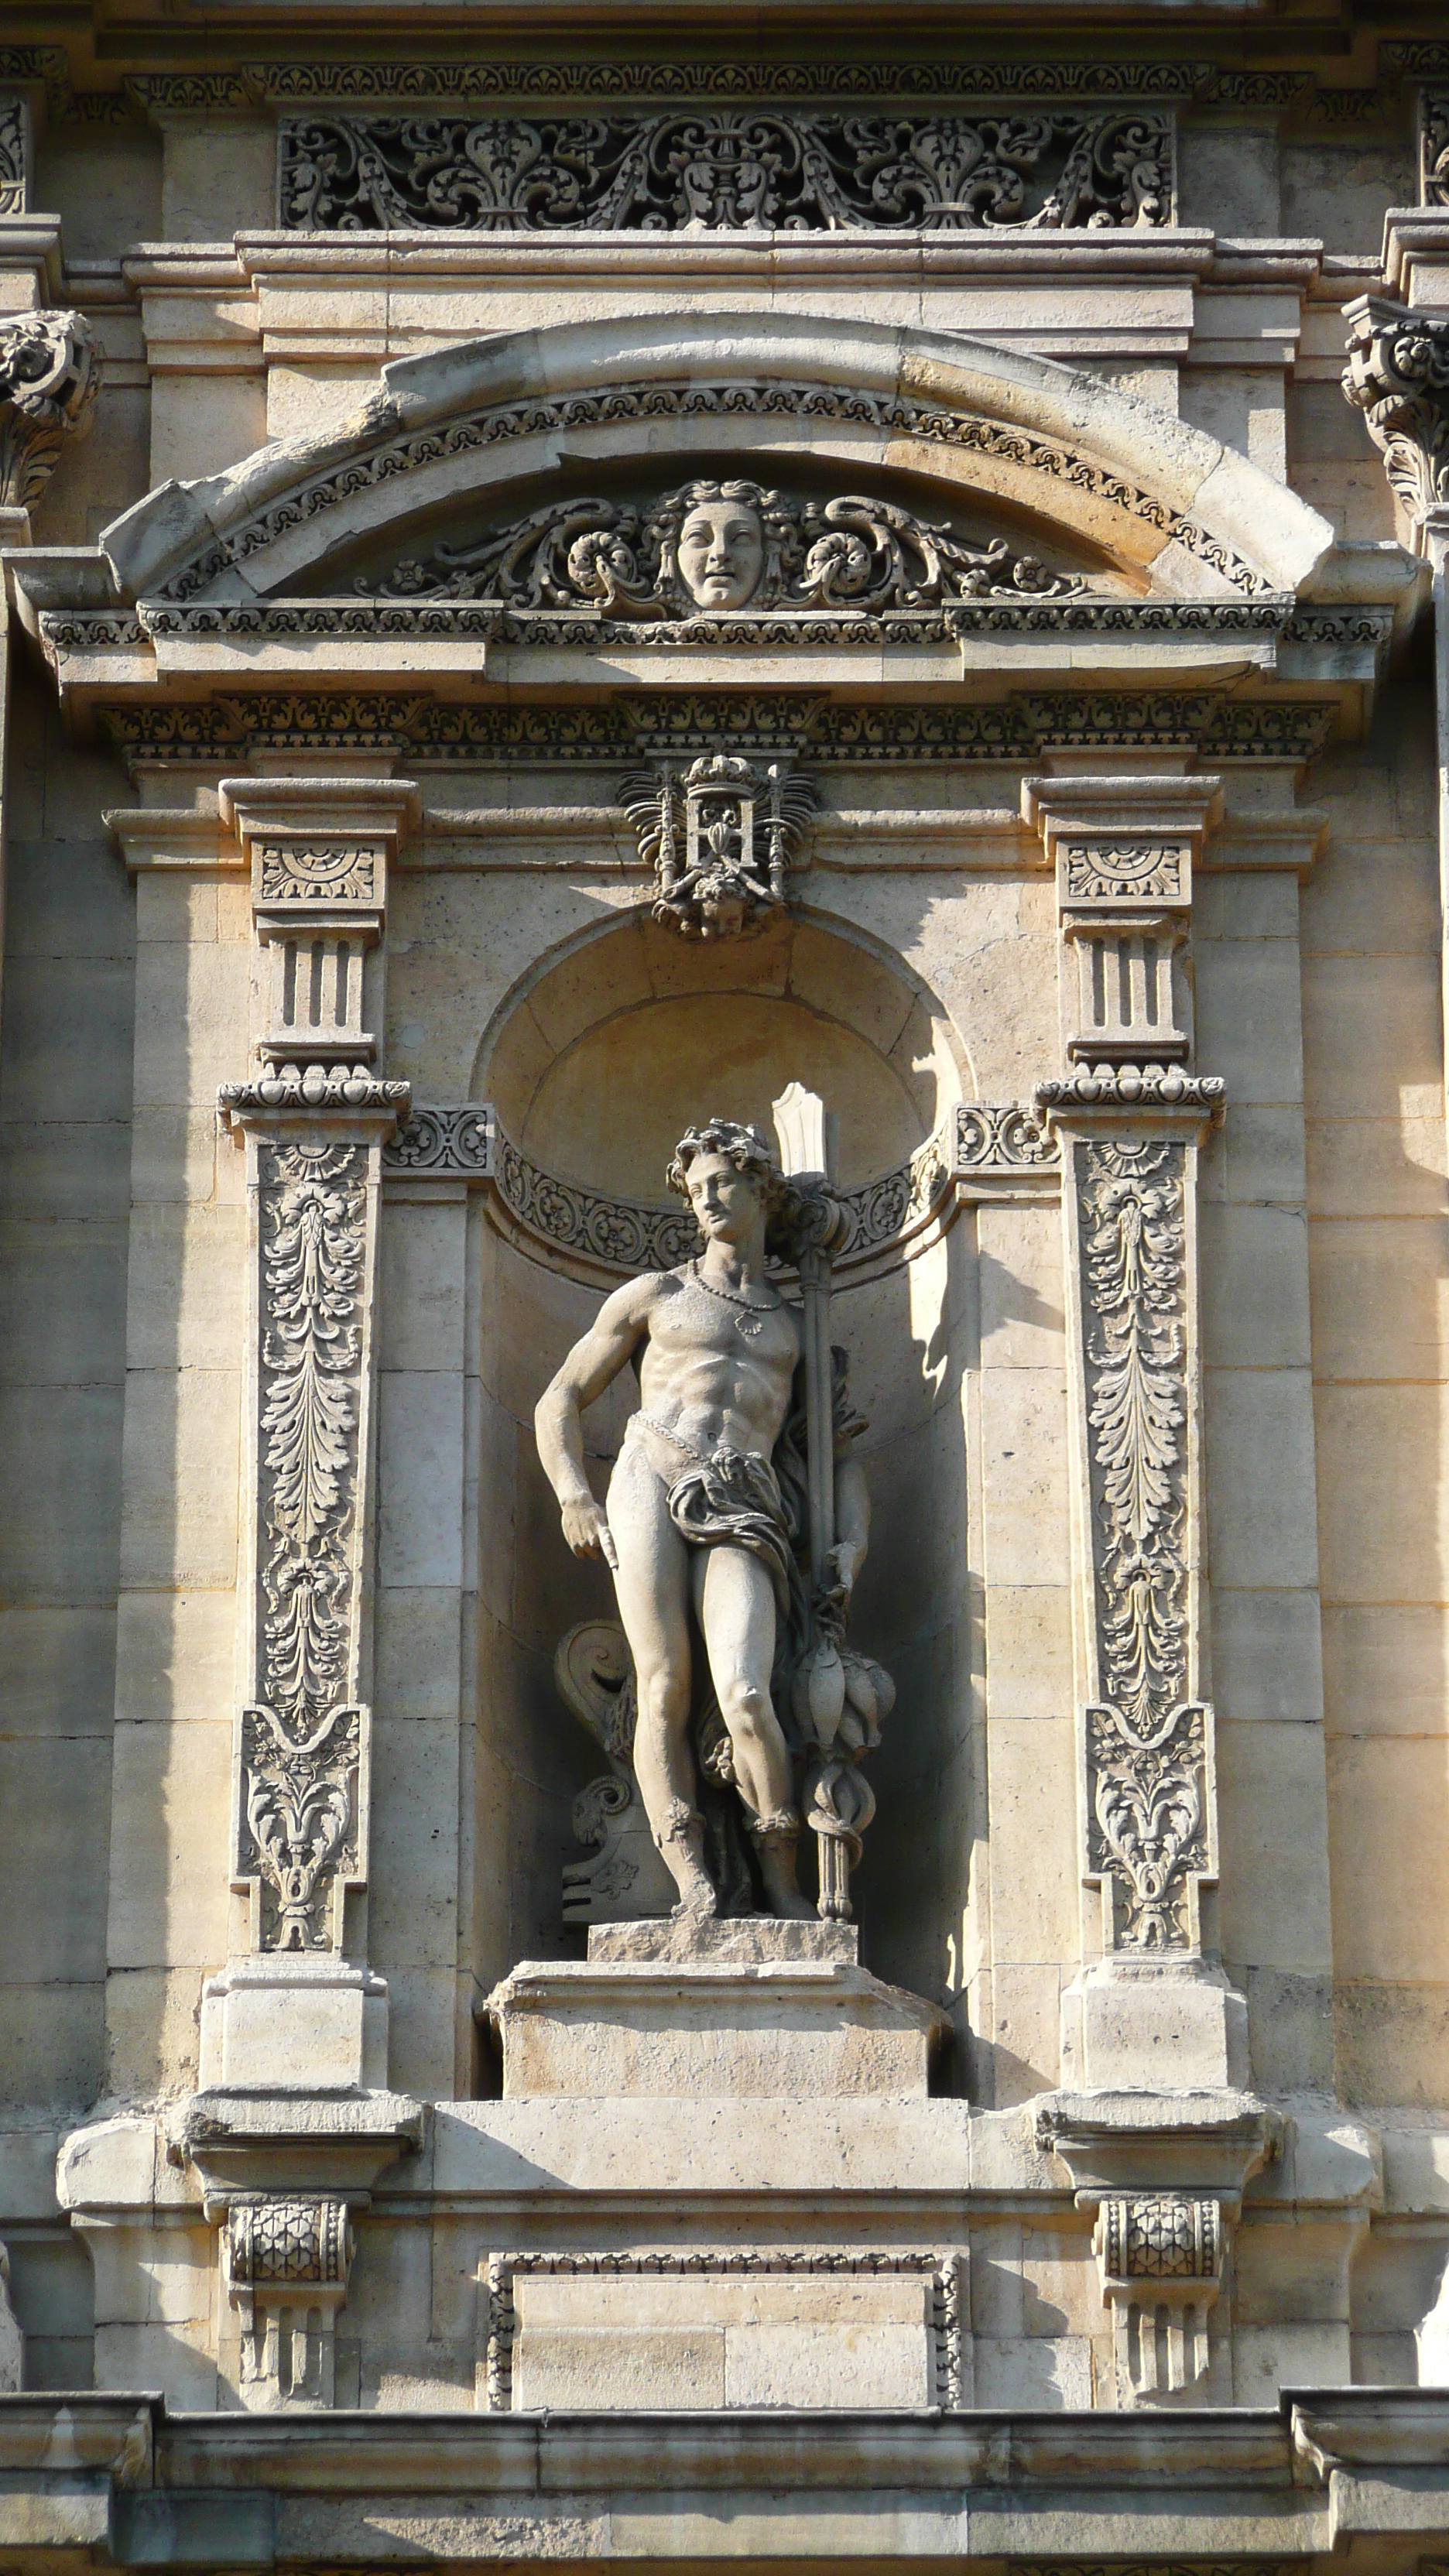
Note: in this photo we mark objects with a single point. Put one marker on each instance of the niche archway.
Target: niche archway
(593, 1064)
(611, 1047)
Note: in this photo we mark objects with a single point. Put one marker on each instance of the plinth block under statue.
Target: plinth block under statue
(736, 1524)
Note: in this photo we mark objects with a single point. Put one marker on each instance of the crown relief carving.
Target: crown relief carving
(721, 550)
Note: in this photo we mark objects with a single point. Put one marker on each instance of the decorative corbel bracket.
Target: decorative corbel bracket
(1398, 377)
(284, 2181)
(1162, 2178)
(50, 374)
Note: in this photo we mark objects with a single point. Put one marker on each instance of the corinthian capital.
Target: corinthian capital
(50, 370)
(1398, 377)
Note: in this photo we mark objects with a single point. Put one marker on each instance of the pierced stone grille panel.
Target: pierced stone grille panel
(730, 169)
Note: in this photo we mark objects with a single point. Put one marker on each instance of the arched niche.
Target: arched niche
(595, 1063)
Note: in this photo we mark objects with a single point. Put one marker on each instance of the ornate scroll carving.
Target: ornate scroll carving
(729, 169)
(50, 373)
(718, 836)
(14, 156)
(1146, 1750)
(286, 2264)
(996, 1138)
(301, 1825)
(453, 1142)
(1398, 377)
(1434, 148)
(722, 547)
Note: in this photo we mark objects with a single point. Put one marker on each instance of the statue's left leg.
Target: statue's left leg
(735, 1605)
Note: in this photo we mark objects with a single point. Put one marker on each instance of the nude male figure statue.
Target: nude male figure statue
(695, 1514)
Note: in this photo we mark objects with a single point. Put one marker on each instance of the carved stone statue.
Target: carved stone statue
(707, 1530)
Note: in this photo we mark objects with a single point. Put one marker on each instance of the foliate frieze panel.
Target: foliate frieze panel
(301, 1792)
(686, 723)
(1117, 869)
(1147, 1748)
(982, 1149)
(731, 168)
(302, 875)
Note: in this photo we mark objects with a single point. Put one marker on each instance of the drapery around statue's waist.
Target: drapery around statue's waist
(720, 1498)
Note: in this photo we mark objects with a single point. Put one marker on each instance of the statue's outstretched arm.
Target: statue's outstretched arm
(592, 1365)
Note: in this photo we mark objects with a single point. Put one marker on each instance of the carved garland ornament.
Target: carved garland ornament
(300, 1821)
(929, 423)
(729, 169)
(1146, 1745)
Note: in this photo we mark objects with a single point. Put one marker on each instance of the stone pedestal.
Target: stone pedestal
(728, 2008)
(1164, 2022)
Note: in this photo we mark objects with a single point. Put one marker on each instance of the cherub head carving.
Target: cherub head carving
(721, 543)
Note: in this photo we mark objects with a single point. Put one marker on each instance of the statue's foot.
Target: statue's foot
(776, 1839)
(698, 1905)
(682, 1843)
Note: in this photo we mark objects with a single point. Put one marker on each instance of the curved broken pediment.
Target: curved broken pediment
(467, 434)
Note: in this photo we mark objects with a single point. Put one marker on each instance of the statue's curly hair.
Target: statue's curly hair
(745, 1147)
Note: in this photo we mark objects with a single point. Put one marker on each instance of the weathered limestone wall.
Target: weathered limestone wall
(1373, 1053)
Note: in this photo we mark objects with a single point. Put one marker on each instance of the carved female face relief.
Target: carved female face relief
(721, 554)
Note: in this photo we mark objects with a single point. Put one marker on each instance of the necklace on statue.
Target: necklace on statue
(730, 1297)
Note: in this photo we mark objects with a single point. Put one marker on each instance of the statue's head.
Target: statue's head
(716, 541)
(729, 1176)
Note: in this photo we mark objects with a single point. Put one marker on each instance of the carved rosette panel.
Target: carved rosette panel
(302, 1752)
(730, 169)
(1146, 1749)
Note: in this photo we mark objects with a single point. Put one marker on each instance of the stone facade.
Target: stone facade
(563, 587)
